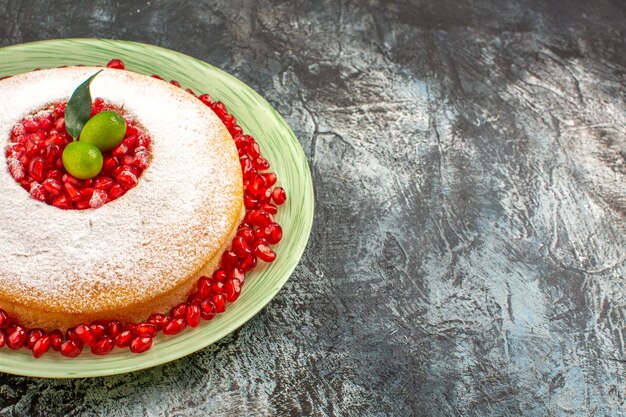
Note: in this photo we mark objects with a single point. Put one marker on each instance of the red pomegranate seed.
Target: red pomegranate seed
(114, 328)
(178, 311)
(103, 183)
(156, 76)
(232, 289)
(130, 326)
(116, 64)
(41, 346)
(120, 150)
(175, 83)
(30, 125)
(257, 185)
(3, 339)
(59, 109)
(109, 164)
(279, 195)
(261, 164)
(146, 329)
(229, 259)
(97, 330)
(84, 334)
(248, 263)
(103, 346)
(45, 124)
(219, 109)
(194, 299)
(249, 201)
(268, 207)
(219, 275)
(157, 319)
(62, 202)
(217, 287)
(193, 316)
(273, 233)
(16, 337)
(37, 191)
(72, 192)
(265, 253)
(141, 344)
(254, 150)
(16, 169)
(207, 310)
(52, 186)
(56, 339)
(70, 349)
(116, 191)
(206, 99)
(259, 218)
(4, 319)
(236, 274)
(241, 247)
(59, 125)
(124, 339)
(126, 179)
(33, 336)
(204, 286)
(219, 301)
(98, 199)
(174, 326)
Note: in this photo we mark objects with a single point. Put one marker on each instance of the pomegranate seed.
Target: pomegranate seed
(207, 310)
(62, 202)
(175, 83)
(98, 199)
(30, 125)
(259, 217)
(59, 125)
(254, 150)
(52, 186)
(229, 259)
(193, 316)
(84, 334)
(204, 286)
(232, 289)
(219, 301)
(194, 299)
(114, 328)
(120, 150)
(247, 233)
(236, 130)
(4, 319)
(219, 109)
(236, 274)
(249, 201)
(45, 124)
(72, 192)
(41, 346)
(116, 191)
(219, 275)
(273, 233)
(141, 344)
(59, 109)
(217, 287)
(279, 195)
(16, 169)
(16, 337)
(97, 330)
(178, 311)
(241, 247)
(130, 326)
(116, 64)
(37, 191)
(124, 339)
(257, 185)
(126, 179)
(32, 337)
(265, 253)
(261, 164)
(145, 329)
(103, 183)
(268, 207)
(247, 264)
(206, 99)
(71, 349)
(158, 320)
(56, 339)
(174, 326)
(103, 346)
(3, 339)
(156, 76)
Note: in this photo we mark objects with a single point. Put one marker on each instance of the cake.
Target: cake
(138, 254)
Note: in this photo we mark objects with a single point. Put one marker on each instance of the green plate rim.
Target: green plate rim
(22, 363)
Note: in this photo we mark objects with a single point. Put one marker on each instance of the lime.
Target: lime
(83, 160)
(104, 130)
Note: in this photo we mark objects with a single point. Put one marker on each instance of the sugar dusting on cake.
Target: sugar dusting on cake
(142, 243)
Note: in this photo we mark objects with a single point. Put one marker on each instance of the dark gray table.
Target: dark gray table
(468, 253)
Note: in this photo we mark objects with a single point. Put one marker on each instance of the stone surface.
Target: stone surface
(468, 253)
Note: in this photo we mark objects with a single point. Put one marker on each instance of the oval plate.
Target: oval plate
(278, 144)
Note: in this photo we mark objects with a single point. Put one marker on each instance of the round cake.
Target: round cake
(141, 253)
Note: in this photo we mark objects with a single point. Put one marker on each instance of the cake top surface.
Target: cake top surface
(179, 215)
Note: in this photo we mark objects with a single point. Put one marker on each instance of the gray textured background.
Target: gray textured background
(468, 253)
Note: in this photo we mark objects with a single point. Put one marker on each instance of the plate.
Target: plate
(257, 117)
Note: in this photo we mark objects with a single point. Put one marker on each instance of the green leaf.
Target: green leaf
(78, 108)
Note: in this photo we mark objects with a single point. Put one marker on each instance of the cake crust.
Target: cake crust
(133, 256)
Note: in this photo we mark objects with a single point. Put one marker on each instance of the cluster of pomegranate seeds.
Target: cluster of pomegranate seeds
(34, 160)
(253, 242)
